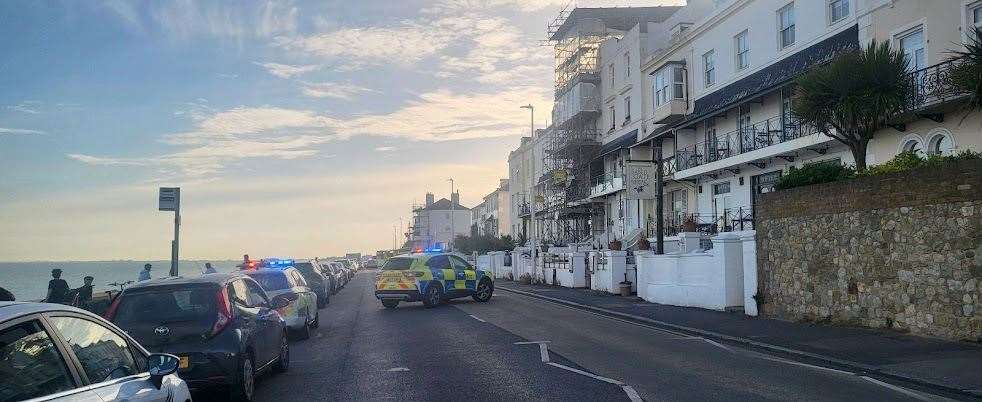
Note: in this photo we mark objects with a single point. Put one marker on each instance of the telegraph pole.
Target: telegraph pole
(452, 207)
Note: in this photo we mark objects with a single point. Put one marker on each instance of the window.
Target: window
(709, 68)
(975, 15)
(742, 46)
(298, 279)
(785, 26)
(397, 264)
(30, 363)
(271, 280)
(613, 119)
(912, 145)
(912, 44)
(257, 296)
(679, 202)
(678, 82)
(627, 109)
(668, 85)
(627, 64)
(721, 188)
(103, 355)
(165, 305)
(459, 263)
(838, 9)
(661, 88)
(940, 144)
(438, 262)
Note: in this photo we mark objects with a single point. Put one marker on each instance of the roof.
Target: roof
(180, 280)
(623, 141)
(444, 205)
(619, 18)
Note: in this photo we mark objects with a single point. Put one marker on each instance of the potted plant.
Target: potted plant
(644, 244)
(615, 245)
(625, 286)
(689, 225)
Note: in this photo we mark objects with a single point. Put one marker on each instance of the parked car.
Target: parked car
(301, 313)
(55, 352)
(371, 264)
(316, 279)
(331, 274)
(342, 275)
(224, 328)
(350, 267)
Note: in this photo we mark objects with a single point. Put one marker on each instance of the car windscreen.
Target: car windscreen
(166, 305)
(398, 263)
(274, 280)
(304, 267)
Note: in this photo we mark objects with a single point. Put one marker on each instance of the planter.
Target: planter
(615, 245)
(689, 226)
(625, 288)
(644, 244)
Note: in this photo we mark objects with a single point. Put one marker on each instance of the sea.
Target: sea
(29, 280)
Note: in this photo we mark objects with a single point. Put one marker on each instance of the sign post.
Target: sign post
(170, 200)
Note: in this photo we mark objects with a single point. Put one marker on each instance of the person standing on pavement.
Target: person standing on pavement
(145, 274)
(57, 288)
(209, 269)
(84, 293)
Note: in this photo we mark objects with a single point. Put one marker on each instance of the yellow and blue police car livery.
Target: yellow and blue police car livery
(410, 278)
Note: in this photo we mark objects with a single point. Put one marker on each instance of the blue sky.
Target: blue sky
(293, 127)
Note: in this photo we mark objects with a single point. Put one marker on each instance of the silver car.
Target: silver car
(301, 314)
(53, 352)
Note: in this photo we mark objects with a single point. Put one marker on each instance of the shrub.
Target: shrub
(525, 279)
(909, 160)
(815, 174)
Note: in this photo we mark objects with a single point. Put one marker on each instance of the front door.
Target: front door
(265, 324)
(722, 205)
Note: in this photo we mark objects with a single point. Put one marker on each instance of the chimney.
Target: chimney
(429, 199)
(455, 197)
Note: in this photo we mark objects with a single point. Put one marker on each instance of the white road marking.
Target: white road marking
(717, 344)
(544, 353)
(475, 317)
(901, 390)
(774, 359)
(631, 393)
(530, 342)
(398, 369)
(591, 375)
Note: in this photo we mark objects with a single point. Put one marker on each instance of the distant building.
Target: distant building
(438, 222)
(492, 217)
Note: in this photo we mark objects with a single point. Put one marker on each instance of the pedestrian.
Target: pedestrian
(209, 269)
(145, 274)
(57, 288)
(5, 295)
(83, 295)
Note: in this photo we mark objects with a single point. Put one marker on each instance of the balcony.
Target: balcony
(746, 139)
(606, 183)
(932, 87)
(669, 112)
(580, 102)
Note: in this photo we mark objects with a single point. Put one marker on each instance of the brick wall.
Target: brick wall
(900, 251)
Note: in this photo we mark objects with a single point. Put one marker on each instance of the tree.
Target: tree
(855, 95)
(966, 72)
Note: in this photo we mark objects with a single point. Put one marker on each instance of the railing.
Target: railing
(555, 261)
(606, 182)
(599, 262)
(710, 224)
(752, 137)
(931, 85)
(523, 209)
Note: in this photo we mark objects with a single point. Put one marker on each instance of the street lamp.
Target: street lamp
(452, 228)
(531, 181)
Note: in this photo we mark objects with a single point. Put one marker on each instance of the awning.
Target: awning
(624, 141)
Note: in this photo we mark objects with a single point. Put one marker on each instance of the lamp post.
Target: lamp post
(452, 208)
(532, 183)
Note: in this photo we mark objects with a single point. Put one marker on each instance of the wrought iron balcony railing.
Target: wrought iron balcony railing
(748, 138)
(932, 85)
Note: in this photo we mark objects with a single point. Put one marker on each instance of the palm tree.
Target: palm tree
(966, 73)
(853, 96)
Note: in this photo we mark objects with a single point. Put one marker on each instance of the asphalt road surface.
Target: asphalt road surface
(520, 348)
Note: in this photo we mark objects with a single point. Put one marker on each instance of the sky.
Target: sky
(294, 128)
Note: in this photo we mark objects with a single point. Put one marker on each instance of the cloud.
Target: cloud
(286, 70)
(19, 131)
(404, 44)
(186, 19)
(443, 115)
(385, 149)
(334, 90)
(28, 106)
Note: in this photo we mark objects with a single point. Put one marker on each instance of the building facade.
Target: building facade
(492, 217)
(437, 222)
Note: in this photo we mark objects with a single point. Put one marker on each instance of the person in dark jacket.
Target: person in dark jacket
(57, 288)
(84, 293)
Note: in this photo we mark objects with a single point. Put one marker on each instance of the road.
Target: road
(489, 351)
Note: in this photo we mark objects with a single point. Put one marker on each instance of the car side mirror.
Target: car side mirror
(279, 302)
(161, 365)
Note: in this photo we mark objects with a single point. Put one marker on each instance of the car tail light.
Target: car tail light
(224, 308)
(111, 311)
(412, 274)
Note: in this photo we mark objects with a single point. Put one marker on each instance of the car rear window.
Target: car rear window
(397, 263)
(275, 280)
(305, 267)
(166, 305)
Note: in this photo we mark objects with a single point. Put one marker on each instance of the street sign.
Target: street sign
(170, 198)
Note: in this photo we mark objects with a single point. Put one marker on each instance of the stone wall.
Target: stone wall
(901, 251)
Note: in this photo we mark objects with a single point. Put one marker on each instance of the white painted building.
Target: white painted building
(437, 222)
(492, 217)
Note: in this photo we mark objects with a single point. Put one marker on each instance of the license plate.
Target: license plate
(185, 362)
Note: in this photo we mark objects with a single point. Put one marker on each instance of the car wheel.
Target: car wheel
(434, 295)
(283, 362)
(390, 303)
(245, 380)
(483, 291)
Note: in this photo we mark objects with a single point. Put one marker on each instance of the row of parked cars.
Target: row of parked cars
(168, 335)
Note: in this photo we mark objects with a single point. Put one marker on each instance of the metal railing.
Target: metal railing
(731, 220)
(745, 139)
(555, 261)
(932, 85)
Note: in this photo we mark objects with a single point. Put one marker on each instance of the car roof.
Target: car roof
(218, 279)
(10, 310)
(268, 270)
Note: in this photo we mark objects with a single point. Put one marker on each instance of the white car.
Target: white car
(53, 352)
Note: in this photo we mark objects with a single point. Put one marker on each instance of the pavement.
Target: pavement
(933, 363)
(519, 347)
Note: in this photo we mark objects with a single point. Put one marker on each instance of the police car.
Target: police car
(430, 277)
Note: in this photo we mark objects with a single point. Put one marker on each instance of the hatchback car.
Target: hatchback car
(430, 278)
(223, 327)
(301, 313)
(342, 275)
(55, 352)
(316, 279)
